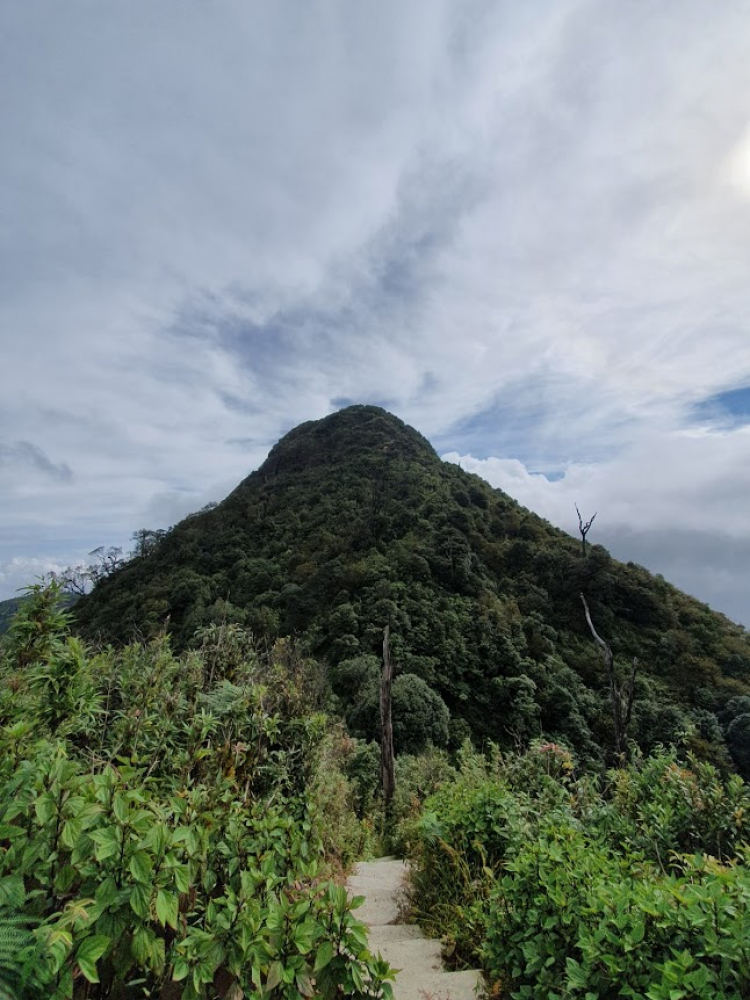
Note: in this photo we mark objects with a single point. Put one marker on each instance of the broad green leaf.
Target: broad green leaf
(45, 808)
(180, 969)
(89, 952)
(140, 898)
(140, 866)
(305, 984)
(636, 935)
(120, 808)
(140, 947)
(699, 978)
(324, 955)
(167, 905)
(107, 843)
(304, 934)
(275, 975)
(66, 878)
(181, 875)
(71, 831)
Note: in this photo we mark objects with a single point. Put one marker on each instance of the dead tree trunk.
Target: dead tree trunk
(584, 529)
(387, 766)
(622, 696)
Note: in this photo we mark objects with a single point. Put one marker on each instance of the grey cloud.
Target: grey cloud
(673, 501)
(24, 453)
(708, 564)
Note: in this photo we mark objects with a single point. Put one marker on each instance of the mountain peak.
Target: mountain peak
(364, 432)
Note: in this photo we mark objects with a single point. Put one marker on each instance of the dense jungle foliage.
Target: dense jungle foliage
(353, 522)
(560, 887)
(168, 823)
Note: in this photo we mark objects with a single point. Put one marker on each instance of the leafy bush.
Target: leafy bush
(738, 742)
(660, 805)
(560, 887)
(571, 918)
(343, 796)
(420, 716)
(159, 832)
(417, 778)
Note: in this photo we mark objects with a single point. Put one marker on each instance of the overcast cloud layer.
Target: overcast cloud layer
(524, 228)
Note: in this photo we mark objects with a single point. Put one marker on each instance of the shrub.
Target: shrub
(738, 742)
(572, 918)
(177, 849)
(420, 716)
(417, 778)
(660, 805)
(561, 887)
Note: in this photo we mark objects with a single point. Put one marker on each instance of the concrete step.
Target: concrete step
(423, 954)
(377, 910)
(437, 986)
(389, 874)
(396, 932)
(404, 946)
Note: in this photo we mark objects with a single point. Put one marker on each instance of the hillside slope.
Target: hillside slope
(353, 522)
(8, 609)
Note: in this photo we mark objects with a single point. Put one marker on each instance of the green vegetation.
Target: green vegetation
(354, 523)
(420, 716)
(166, 822)
(181, 777)
(10, 608)
(7, 611)
(558, 887)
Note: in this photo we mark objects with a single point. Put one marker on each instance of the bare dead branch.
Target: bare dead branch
(630, 694)
(621, 710)
(584, 528)
(597, 638)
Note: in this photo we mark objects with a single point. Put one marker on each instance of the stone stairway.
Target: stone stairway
(404, 946)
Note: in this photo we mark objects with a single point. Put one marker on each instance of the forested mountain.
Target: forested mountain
(7, 610)
(353, 523)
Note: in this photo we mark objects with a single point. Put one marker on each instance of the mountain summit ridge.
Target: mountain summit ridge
(333, 437)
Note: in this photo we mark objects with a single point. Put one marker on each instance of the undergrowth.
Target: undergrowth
(559, 886)
(169, 824)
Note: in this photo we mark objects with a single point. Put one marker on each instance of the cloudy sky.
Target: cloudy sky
(523, 227)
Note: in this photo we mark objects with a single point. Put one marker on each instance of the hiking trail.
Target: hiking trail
(404, 946)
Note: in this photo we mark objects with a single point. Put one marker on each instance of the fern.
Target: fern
(18, 975)
(16, 948)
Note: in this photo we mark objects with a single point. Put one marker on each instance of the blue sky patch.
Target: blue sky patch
(522, 424)
(729, 409)
(552, 476)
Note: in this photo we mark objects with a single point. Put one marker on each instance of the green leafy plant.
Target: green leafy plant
(560, 886)
(176, 851)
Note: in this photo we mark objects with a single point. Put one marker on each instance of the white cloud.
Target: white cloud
(216, 220)
(20, 572)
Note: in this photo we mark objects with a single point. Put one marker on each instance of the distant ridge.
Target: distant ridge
(7, 610)
(9, 607)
